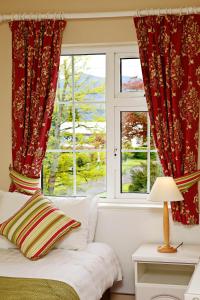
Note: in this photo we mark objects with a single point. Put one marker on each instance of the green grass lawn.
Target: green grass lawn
(131, 163)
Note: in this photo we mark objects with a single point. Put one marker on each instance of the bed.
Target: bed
(88, 267)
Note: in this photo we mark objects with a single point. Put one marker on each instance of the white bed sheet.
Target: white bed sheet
(90, 272)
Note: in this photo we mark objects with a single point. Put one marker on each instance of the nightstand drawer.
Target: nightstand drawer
(159, 292)
(191, 297)
(162, 273)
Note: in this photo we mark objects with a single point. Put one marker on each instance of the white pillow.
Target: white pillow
(9, 205)
(87, 216)
(78, 209)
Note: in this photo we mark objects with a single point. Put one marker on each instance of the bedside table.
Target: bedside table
(164, 276)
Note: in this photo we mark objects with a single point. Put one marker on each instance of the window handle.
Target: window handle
(115, 152)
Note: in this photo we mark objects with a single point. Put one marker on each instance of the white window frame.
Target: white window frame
(115, 102)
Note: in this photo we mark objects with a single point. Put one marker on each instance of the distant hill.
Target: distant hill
(88, 80)
(95, 81)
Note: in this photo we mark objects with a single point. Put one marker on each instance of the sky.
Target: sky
(130, 67)
(96, 66)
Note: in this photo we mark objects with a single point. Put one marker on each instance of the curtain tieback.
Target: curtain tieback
(186, 181)
(23, 183)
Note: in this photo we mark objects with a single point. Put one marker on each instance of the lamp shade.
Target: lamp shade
(165, 189)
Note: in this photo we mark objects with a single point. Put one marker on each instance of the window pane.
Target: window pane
(90, 172)
(155, 168)
(130, 75)
(60, 136)
(134, 172)
(58, 174)
(64, 86)
(133, 130)
(77, 125)
(89, 77)
(91, 126)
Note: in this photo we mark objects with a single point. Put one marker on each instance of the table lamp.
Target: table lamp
(164, 190)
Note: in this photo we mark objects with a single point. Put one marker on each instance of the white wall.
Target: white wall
(127, 228)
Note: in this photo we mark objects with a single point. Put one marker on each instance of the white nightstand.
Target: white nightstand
(164, 276)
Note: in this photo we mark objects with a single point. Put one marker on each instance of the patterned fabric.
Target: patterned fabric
(37, 226)
(24, 184)
(35, 55)
(186, 181)
(169, 52)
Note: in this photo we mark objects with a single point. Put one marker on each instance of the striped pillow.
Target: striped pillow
(37, 226)
(24, 184)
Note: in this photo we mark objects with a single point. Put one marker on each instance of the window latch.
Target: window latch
(115, 152)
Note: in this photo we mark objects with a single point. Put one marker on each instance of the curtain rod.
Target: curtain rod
(97, 15)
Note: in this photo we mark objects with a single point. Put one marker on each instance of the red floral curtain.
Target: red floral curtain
(170, 56)
(36, 49)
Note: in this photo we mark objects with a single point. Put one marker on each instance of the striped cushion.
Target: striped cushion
(187, 181)
(23, 183)
(37, 226)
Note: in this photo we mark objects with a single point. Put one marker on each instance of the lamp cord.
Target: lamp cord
(179, 245)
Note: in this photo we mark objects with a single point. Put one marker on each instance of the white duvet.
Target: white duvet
(90, 272)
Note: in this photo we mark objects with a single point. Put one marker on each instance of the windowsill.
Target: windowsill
(118, 203)
(65, 197)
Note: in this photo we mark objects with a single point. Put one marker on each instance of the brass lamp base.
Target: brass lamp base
(167, 249)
